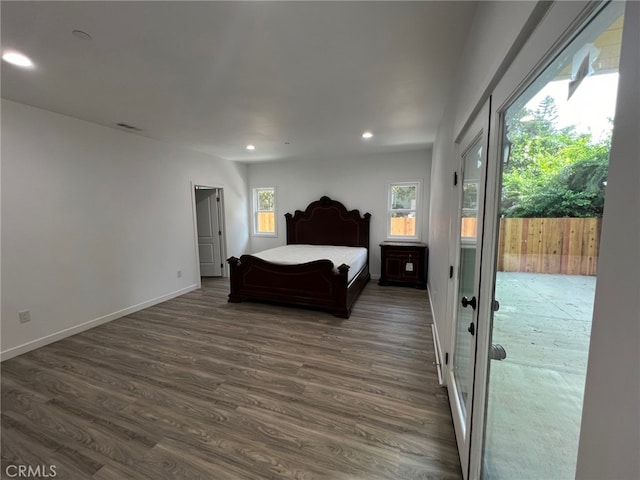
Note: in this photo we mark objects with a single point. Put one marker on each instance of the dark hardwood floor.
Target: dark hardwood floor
(198, 388)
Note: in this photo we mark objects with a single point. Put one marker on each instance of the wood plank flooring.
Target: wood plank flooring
(198, 388)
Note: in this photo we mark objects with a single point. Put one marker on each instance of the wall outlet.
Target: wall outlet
(179, 273)
(25, 316)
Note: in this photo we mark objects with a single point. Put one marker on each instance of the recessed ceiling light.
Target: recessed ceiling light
(17, 58)
(251, 147)
(367, 134)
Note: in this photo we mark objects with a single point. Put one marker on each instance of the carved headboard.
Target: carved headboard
(328, 222)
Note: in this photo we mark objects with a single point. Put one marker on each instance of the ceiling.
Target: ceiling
(295, 79)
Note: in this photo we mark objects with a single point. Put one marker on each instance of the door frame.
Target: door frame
(478, 129)
(221, 212)
(553, 34)
(486, 295)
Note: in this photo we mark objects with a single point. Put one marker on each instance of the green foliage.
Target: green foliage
(266, 199)
(403, 196)
(552, 172)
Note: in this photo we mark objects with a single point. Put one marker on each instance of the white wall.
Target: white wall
(493, 37)
(610, 432)
(440, 243)
(96, 222)
(496, 28)
(358, 182)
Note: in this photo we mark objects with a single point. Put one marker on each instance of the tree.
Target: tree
(552, 172)
(403, 196)
(266, 199)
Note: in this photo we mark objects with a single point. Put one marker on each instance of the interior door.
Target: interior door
(209, 231)
(472, 147)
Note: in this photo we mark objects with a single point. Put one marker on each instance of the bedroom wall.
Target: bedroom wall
(494, 33)
(495, 29)
(96, 223)
(358, 182)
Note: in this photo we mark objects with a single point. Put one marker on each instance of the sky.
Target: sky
(589, 108)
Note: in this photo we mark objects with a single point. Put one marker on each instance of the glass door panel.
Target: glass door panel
(464, 347)
(473, 148)
(553, 184)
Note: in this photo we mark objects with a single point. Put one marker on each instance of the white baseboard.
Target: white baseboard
(436, 342)
(67, 332)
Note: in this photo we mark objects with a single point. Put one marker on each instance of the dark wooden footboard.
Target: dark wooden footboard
(314, 284)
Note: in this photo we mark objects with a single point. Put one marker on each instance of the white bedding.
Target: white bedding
(355, 257)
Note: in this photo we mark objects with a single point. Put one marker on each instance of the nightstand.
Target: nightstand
(403, 263)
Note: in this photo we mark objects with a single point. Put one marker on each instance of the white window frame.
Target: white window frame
(417, 210)
(255, 210)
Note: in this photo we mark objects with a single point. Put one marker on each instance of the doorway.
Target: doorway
(556, 137)
(524, 316)
(209, 225)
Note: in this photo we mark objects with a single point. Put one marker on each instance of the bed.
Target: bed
(317, 283)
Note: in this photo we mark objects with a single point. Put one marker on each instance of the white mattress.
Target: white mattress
(355, 257)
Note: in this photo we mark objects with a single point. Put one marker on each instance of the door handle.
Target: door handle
(497, 352)
(471, 329)
(466, 302)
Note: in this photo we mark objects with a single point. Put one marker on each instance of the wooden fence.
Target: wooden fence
(266, 222)
(403, 226)
(549, 245)
(468, 229)
(546, 245)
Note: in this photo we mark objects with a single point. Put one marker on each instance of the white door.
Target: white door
(209, 231)
(472, 148)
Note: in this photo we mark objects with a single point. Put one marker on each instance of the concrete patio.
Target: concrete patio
(535, 394)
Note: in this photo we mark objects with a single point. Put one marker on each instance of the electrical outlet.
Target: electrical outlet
(25, 316)
(179, 273)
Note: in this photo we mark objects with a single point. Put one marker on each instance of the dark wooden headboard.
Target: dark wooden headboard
(328, 222)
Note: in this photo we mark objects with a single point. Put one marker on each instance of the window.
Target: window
(470, 190)
(264, 211)
(403, 210)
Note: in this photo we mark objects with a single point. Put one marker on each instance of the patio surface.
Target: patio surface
(535, 394)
